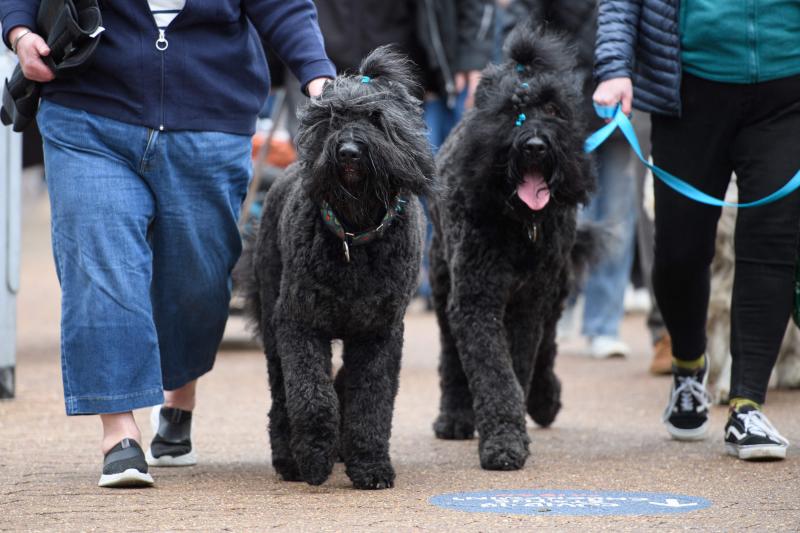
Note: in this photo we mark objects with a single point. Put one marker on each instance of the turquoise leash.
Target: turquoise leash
(619, 120)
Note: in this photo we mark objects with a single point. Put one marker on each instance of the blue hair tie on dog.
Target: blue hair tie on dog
(525, 85)
(521, 119)
(366, 79)
(520, 67)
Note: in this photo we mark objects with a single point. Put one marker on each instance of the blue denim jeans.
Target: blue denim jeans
(144, 237)
(614, 209)
(440, 119)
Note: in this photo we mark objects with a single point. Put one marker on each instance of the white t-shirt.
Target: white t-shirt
(164, 11)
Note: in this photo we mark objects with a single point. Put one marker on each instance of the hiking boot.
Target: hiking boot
(124, 466)
(686, 415)
(749, 435)
(662, 357)
(172, 443)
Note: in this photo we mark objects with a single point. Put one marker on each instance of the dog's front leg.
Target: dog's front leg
(372, 365)
(476, 317)
(311, 401)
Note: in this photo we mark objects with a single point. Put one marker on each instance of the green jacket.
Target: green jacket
(740, 41)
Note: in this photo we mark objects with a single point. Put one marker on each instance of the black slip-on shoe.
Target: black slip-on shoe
(172, 443)
(124, 466)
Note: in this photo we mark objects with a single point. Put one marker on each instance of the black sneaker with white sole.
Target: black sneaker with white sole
(749, 435)
(172, 443)
(124, 466)
(686, 415)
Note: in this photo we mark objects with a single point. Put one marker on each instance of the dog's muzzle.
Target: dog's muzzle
(535, 148)
(349, 155)
(533, 190)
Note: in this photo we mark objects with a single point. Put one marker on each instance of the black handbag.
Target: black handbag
(72, 30)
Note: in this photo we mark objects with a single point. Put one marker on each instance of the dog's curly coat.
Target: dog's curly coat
(504, 250)
(361, 145)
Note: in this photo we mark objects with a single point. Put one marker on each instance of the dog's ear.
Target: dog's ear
(385, 64)
(539, 49)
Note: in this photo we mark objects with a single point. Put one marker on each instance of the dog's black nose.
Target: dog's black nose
(349, 152)
(535, 146)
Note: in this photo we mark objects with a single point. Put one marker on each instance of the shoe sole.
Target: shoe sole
(130, 478)
(187, 459)
(757, 452)
(695, 434)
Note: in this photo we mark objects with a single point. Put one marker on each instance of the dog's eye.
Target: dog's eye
(375, 117)
(552, 110)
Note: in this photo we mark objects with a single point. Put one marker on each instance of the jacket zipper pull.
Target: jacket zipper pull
(161, 43)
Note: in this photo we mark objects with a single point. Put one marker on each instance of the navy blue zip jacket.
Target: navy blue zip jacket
(640, 39)
(212, 75)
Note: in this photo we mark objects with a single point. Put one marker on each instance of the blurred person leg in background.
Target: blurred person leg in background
(440, 118)
(613, 209)
(661, 363)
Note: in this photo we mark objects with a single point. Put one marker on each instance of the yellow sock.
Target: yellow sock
(696, 364)
(738, 403)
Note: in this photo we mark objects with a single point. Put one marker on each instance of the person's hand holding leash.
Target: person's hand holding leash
(611, 92)
(30, 48)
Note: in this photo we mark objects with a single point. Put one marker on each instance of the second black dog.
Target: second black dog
(504, 251)
(337, 257)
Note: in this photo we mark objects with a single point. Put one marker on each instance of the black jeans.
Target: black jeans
(753, 130)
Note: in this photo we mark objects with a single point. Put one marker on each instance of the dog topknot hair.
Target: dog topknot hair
(386, 64)
(538, 49)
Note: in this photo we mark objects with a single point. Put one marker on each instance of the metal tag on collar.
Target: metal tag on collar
(347, 236)
(533, 232)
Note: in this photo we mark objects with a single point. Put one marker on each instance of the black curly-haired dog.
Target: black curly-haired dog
(337, 256)
(506, 248)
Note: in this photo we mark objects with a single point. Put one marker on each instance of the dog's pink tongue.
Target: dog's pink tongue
(534, 191)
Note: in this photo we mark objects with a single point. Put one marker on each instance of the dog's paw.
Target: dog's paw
(454, 426)
(316, 467)
(287, 469)
(544, 400)
(720, 394)
(507, 451)
(371, 476)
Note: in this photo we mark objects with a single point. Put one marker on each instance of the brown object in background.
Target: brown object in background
(662, 356)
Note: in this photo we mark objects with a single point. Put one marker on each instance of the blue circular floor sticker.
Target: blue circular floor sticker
(569, 502)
